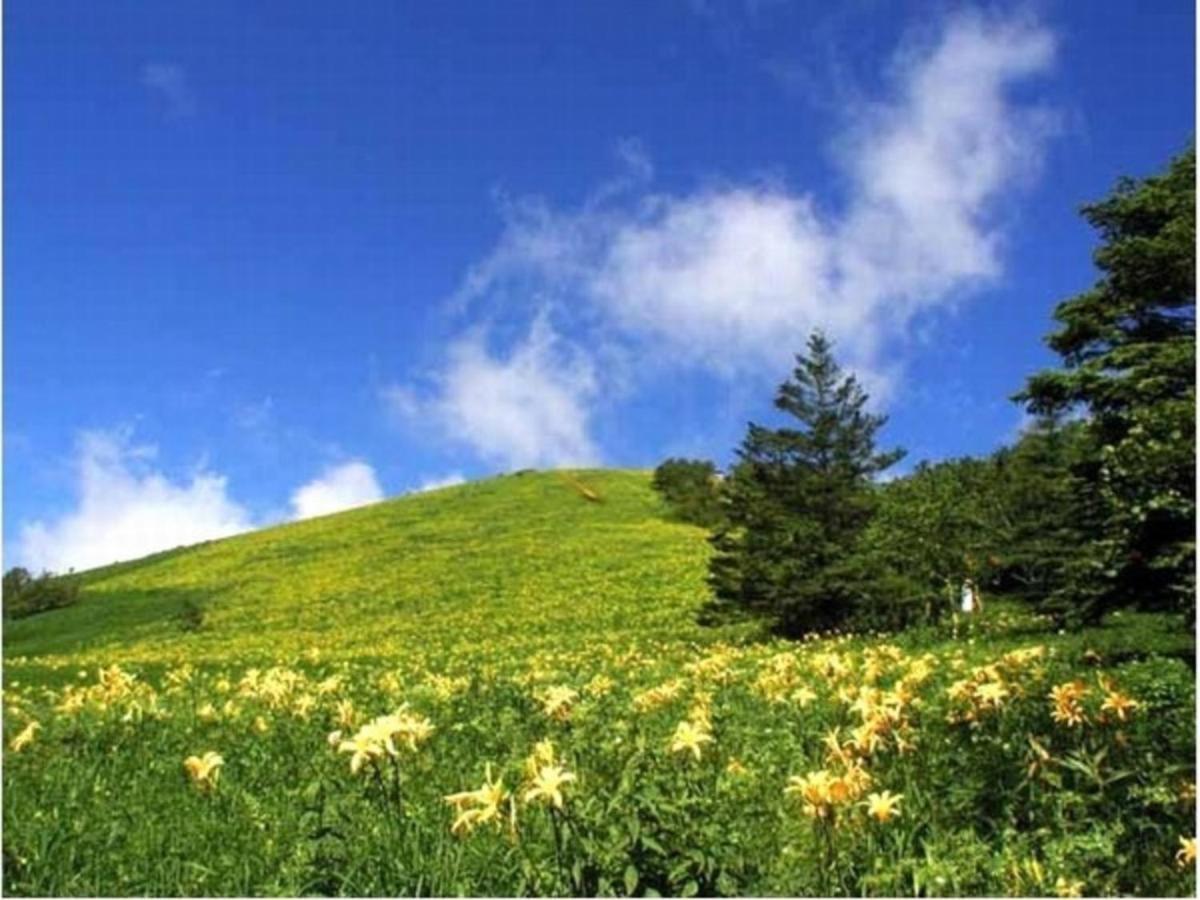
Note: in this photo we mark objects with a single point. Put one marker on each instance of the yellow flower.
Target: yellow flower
(688, 738)
(411, 729)
(962, 689)
(345, 713)
(363, 746)
(838, 752)
(380, 732)
(701, 711)
(657, 696)
(480, 806)
(599, 686)
(1067, 888)
(1119, 704)
(883, 806)
(803, 696)
(556, 702)
(868, 736)
(260, 725)
(204, 770)
(542, 755)
(1187, 792)
(1065, 700)
(735, 767)
(1187, 852)
(991, 693)
(821, 790)
(334, 738)
(547, 785)
(25, 738)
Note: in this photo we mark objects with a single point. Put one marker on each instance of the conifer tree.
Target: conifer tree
(1129, 352)
(798, 498)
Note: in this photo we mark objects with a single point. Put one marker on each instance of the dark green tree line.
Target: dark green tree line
(1128, 347)
(1093, 507)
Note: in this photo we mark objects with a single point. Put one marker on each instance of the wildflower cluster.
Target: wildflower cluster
(382, 737)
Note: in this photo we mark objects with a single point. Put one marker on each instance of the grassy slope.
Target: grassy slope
(485, 598)
(511, 560)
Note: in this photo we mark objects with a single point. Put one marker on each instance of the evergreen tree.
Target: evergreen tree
(798, 499)
(689, 487)
(1129, 352)
(932, 531)
(1047, 512)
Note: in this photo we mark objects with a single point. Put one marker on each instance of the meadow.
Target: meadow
(500, 689)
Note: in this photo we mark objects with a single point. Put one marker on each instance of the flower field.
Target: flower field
(500, 689)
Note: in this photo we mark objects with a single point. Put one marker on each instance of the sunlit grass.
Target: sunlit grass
(500, 689)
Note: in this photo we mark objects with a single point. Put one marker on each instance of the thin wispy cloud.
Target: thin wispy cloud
(730, 278)
(168, 83)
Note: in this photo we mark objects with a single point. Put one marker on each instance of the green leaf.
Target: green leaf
(631, 879)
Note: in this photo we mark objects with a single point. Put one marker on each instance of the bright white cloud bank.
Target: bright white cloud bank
(731, 278)
(338, 487)
(126, 510)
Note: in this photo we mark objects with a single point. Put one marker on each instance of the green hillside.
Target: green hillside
(513, 559)
(499, 689)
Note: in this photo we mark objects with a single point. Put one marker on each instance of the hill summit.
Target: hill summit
(511, 560)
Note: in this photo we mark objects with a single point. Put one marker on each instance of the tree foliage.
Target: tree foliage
(934, 529)
(1128, 351)
(690, 489)
(25, 595)
(798, 499)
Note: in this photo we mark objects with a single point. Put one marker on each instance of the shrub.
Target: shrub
(191, 615)
(690, 488)
(25, 595)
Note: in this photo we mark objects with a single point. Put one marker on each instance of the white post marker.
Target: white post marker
(970, 602)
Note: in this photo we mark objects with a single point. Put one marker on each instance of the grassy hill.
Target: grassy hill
(517, 558)
(499, 689)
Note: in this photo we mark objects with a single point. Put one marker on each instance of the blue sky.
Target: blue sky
(264, 261)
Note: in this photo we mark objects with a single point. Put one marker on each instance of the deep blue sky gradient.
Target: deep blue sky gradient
(236, 279)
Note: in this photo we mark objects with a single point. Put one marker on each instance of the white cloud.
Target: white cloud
(731, 278)
(439, 482)
(931, 170)
(338, 487)
(525, 409)
(169, 83)
(126, 509)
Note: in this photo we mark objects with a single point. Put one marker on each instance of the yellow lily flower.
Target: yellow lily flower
(486, 801)
(991, 693)
(1187, 852)
(1118, 704)
(883, 807)
(1064, 887)
(25, 738)
(547, 785)
(362, 747)
(204, 770)
(689, 738)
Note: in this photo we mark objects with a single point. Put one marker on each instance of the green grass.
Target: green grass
(469, 608)
(516, 559)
